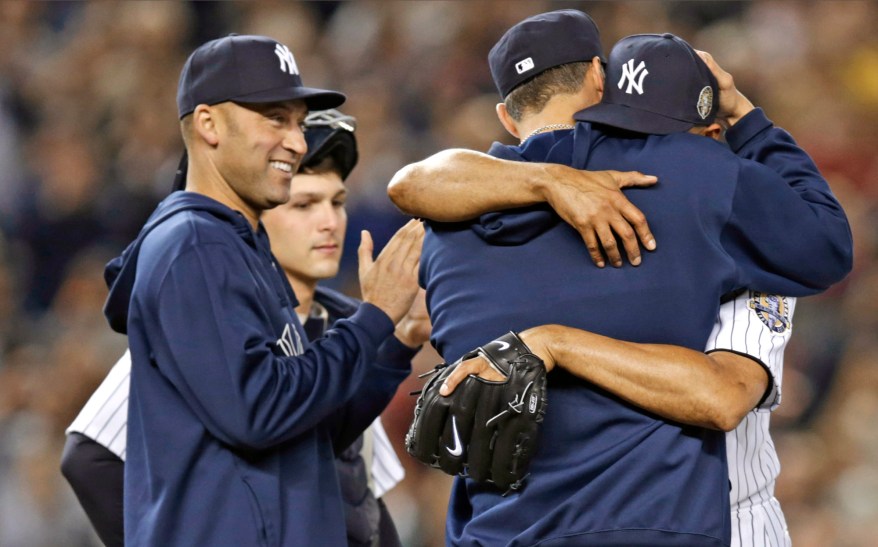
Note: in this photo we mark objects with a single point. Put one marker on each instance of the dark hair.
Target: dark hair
(532, 95)
(326, 164)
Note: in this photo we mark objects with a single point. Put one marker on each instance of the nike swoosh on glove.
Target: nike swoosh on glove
(484, 430)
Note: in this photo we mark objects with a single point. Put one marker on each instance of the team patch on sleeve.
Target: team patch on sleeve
(771, 309)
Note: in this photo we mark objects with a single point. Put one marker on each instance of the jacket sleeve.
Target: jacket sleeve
(216, 341)
(781, 192)
(392, 366)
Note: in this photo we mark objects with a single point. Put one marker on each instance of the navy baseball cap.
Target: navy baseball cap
(656, 84)
(542, 42)
(246, 69)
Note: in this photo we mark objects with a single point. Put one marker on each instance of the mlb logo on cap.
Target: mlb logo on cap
(656, 84)
(541, 42)
(523, 66)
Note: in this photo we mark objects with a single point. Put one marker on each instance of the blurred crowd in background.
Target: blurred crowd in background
(89, 141)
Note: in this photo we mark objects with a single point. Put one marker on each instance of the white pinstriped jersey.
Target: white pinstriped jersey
(759, 325)
(104, 419)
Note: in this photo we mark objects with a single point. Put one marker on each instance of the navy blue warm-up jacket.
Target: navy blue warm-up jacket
(233, 418)
(751, 213)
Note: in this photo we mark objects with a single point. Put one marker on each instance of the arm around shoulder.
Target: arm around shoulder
(786, 231)
(456, 185)
(794, 199)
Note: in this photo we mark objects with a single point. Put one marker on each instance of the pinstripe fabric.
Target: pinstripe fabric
(386, 469)
(760, 326)
(104, 418)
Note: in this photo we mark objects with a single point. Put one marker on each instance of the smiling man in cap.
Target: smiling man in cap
(249, 87)
(233, 422)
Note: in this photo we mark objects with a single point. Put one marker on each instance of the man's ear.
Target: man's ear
(714, 131)
(204, 123)
(506, 120)
(596, 73)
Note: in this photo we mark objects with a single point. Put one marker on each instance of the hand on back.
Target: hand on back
(593, 203)
(538, 339)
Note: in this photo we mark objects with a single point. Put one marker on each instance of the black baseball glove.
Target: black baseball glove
(485, 430)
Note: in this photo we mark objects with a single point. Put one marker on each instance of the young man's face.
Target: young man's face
(307, 232)
(261, 146)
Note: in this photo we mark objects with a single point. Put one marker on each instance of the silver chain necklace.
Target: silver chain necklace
(550, 127)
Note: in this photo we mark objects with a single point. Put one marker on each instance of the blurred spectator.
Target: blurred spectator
(58, 217)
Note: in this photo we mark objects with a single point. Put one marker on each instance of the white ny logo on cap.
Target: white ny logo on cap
(629, 73)
(287, 61)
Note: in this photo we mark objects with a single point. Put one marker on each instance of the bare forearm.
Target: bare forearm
(457, 184)
(713, 391)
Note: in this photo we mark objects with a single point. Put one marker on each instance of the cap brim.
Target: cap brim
(315, 99)
(322, 99)
(632, 119)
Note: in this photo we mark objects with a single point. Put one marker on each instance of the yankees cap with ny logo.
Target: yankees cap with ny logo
(656, 84)
(246, 69)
